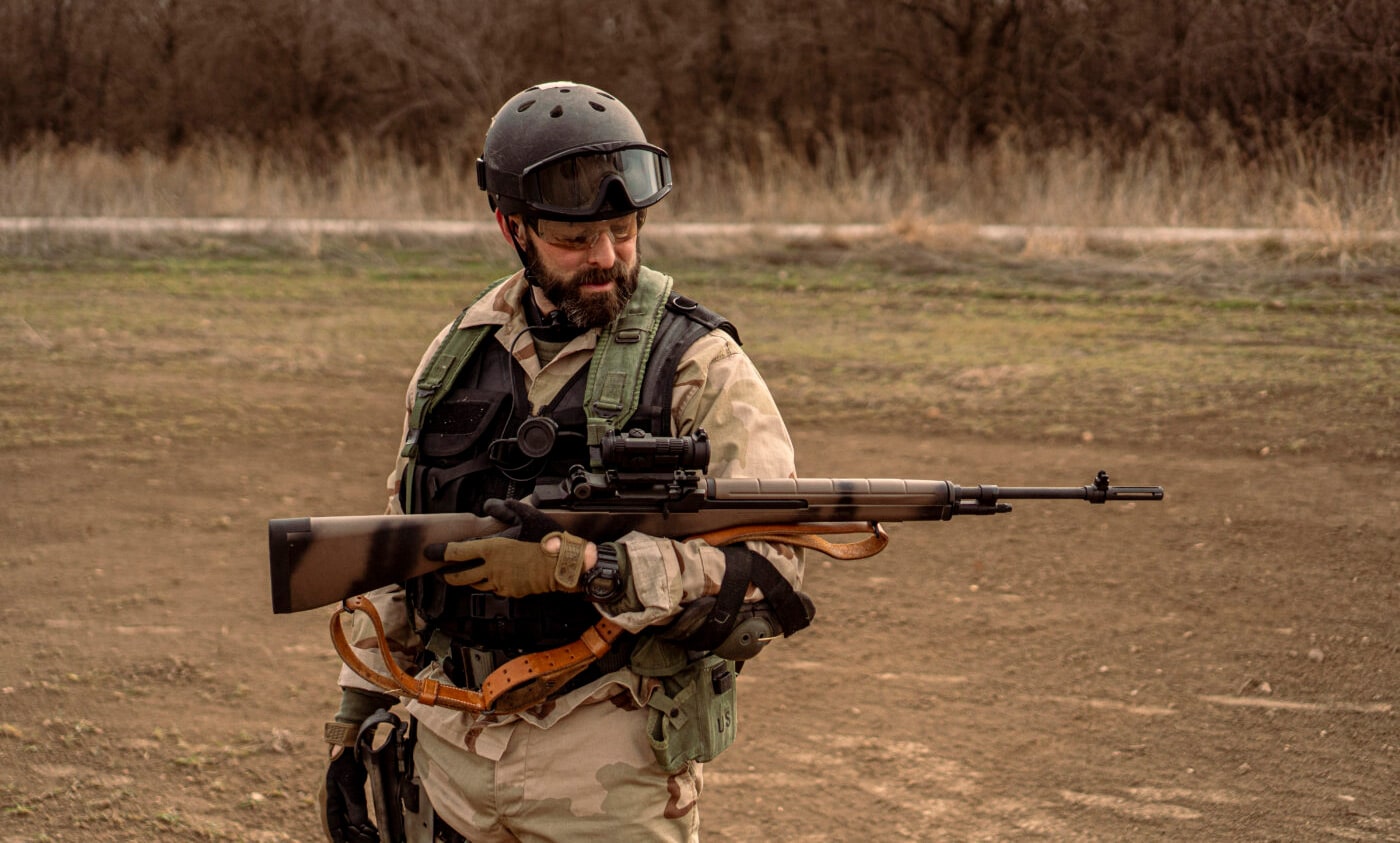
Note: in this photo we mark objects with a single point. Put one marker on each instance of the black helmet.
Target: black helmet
(570, 152)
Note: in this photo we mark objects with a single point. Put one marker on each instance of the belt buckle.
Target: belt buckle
(479, 664)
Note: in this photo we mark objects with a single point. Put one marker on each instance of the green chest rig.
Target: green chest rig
(616, 374)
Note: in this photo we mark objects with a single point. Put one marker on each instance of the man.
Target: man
(583, 339)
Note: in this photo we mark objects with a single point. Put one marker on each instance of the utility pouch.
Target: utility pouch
(694, 714)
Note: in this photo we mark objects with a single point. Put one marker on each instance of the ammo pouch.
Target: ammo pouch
(694, 714)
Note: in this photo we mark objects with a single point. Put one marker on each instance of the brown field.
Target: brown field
(1218, 666)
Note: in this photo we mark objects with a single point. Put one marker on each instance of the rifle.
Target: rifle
(650, 484)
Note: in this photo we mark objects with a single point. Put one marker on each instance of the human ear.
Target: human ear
(510, 228)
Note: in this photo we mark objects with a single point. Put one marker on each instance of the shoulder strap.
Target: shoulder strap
(619, 362)
(435, 382)
(685, 322)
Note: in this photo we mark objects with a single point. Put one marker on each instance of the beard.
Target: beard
(583, 307)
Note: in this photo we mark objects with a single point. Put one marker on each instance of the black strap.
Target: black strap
(441, 477)
(743, 567)
(685, 322)
(445, 833)
(724, 611)
(793, 612)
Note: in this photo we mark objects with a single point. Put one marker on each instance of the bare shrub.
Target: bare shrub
(1262, 112)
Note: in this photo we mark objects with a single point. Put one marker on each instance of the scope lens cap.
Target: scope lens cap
(536, 435)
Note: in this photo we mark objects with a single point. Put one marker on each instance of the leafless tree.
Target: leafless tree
(719, 76)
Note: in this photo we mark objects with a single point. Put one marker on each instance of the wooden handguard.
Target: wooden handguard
(514, 686)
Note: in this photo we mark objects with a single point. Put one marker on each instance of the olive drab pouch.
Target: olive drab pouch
(458, 426)
(694, 714)
(460, 421)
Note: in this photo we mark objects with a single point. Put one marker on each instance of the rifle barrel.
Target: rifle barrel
(1084, 493)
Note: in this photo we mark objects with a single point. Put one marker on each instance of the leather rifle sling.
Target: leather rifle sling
(529, 679)
(806, 535)
(516, 685)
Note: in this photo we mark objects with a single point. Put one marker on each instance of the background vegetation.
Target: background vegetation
(1255, 112)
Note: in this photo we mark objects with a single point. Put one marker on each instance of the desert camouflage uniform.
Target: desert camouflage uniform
(579, 766)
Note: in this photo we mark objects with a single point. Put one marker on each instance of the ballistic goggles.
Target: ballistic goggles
(582, 183)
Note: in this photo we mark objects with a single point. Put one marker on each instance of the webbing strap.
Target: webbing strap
(738, 572)
(619, 362)
(779, 593)
(454, 351)
(451, 355)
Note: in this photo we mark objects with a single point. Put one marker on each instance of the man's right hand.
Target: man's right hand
(346, 808)
(533, 555)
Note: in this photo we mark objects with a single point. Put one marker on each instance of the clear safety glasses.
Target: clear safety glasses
(583, 236)
(579, 183)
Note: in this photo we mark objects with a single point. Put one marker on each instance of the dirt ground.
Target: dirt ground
(1218, 666)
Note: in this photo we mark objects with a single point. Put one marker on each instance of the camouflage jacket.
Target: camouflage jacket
(717, 388)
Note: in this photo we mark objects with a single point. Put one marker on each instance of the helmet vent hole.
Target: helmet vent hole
(525, 105)
(557, 111)
(597, 106)
(606, 94)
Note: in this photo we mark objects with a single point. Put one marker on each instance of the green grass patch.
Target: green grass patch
(112, 351)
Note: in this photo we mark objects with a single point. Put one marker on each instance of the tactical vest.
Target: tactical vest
(472, 437)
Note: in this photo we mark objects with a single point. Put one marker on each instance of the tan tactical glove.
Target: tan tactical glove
(531, 556)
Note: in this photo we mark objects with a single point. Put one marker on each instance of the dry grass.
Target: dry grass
(224, 178)
(1170, 179)
(1174, 177)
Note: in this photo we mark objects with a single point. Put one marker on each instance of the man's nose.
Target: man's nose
(603, 252)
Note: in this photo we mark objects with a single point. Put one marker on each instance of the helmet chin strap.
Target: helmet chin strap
(522, 255)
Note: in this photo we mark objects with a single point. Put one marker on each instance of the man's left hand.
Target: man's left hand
(533, 555)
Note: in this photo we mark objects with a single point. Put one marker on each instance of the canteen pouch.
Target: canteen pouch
(694, 714)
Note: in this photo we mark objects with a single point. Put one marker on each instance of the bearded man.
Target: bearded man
(515, 392)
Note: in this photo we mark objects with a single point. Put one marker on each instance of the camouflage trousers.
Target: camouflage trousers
(590, 776)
